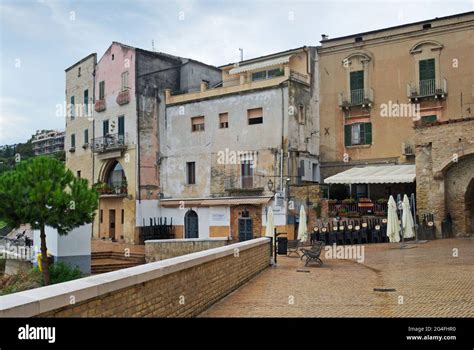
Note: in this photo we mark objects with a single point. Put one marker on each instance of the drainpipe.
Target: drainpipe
(282, 135)
(93, 135)
(137, 102)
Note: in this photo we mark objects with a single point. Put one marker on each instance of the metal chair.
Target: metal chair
(312, 254)
(292, 247)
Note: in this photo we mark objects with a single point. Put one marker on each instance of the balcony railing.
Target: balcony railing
(99, 105)
(299, 77)
(123, 97)
(244, 183)
(110, 142)
(358, 97)
(428, 88)
(356, 208)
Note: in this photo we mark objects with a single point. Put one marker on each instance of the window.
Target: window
(255, 116)
(357, 87)
(86, 136)
(79, 72)
(267, 74)
(246, 172)
(358, 39)
(116, 176)
(124, 81)
(121, 125)
(427, 77)
(113, 57)
(101, 216)
(223, 120)
(428, 119)
(191, 173)
(315, 172)
(358, 134)
(72, 107)
(101, 90)
(197, 124)
(73, 140)
(86, 101)
(123, 217)
(105, 127)
(301, 114)
(79, 174)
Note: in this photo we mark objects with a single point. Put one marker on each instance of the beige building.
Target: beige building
(79, 117)
(376, 86)
(231, 151)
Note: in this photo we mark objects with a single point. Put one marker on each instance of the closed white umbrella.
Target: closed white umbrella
(392, 221)
(302, 227)
(270, 228)
(407, 219)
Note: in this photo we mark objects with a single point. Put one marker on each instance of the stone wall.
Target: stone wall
(178, 287)
(444, 170)
(161, 249)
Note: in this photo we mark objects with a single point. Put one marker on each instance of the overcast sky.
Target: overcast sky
(40, 38)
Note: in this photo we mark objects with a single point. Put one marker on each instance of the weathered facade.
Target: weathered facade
(226, 151)
(445, 173)
(123, 153)
(376, 86)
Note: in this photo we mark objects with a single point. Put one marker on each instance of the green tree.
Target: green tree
(42, 192)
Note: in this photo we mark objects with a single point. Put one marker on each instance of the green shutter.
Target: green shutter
(105, 127)
(427, 69)
(347, 135)
(368, 133)
(121, 125)
(357, 80)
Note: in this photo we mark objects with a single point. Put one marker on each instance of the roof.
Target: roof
(258, 65)
(266, 57)
(221, 201)
(381, 174)
(397, 27)
(81, 61)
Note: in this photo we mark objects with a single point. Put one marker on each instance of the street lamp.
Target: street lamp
(270, 185)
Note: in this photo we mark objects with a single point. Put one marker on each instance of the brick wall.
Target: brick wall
(178, 287)
(161, 249)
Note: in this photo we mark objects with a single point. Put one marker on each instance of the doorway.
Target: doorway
(112, 223)
(191, 225)
(469, 208)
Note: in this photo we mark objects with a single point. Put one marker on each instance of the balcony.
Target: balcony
(110, 142)
(408, 149)
(427, 88)
(99, 105)
(111, 190)
(123, 97)
(244, 183)
(354, 209)
(356, 98)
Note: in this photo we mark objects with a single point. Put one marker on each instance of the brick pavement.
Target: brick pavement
(429, 282)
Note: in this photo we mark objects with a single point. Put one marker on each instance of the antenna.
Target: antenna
(152, 45)
(241, 54)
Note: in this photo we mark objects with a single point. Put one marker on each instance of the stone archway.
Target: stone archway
(469, 208)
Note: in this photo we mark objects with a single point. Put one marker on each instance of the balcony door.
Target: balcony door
(121, 128)
(357, 87)
(427, 77)
(112, 223)
(246, 173)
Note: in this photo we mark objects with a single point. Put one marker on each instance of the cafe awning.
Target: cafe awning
(375, 174)
(260, 65)
(221, 201)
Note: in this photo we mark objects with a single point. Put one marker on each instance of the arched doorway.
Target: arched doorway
(469, 205)
(191, 225)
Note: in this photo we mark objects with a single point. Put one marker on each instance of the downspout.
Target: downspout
(138, 129)
(282, 135)
(93, 133)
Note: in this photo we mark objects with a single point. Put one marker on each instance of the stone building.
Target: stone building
(230, 151)
(376, 85)
(121, 157)
(445, 172)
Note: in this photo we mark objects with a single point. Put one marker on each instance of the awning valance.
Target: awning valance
(208, 202)
(259, 65)
(382, 174)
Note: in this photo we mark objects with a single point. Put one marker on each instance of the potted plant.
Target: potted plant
(382, 201)
(365, 200)
(317, 208)
(332, 201)
(348, 201)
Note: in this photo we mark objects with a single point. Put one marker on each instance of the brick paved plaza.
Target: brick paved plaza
(429, 282)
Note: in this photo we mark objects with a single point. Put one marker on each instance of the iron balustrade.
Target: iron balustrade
(110, 142)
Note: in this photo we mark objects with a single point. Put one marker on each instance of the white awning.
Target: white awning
(259, 65)
(383, 174)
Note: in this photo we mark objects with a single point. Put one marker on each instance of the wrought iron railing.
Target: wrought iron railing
(357, 97)
(428, 88)
(244, 183)
(109, 142)
(356, 208)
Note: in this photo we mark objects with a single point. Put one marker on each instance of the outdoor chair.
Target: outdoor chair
(363, 236)
(374, 236)
(322, 237)
(355, 236)
(339, 237)
(332, 238)
(293, 246)
(312, 254)
(347, 237)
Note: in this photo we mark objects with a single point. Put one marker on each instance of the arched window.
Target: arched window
(116, 176)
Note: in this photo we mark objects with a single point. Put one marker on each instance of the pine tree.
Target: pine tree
(42, 192)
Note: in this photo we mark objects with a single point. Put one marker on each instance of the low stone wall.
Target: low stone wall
(161, 249)
(178, 287)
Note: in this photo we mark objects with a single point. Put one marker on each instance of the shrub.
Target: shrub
(61, 272)
(21, 281)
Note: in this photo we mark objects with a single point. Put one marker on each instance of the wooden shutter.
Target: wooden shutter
(347, 135)
(357, 80)
(368, 133)
(121, 125)
(427, 69)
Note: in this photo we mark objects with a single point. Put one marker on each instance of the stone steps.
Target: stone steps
(106, 261)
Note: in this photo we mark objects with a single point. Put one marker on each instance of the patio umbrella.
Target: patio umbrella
(302, 228)
(407, 219)
(270, 228)
(392, 221)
